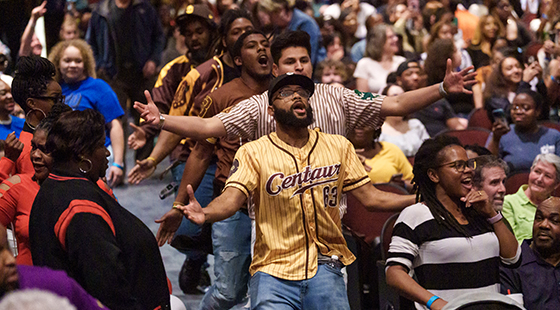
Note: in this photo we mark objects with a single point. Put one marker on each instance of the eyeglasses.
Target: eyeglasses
(521, 107)
(55, 99)
(287, 93)
(460, 165)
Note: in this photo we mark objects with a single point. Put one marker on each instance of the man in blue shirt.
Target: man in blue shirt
(284, 15)
(8, 123)
(538, 276)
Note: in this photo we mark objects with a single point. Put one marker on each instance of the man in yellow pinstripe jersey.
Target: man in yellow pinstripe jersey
(295, 177)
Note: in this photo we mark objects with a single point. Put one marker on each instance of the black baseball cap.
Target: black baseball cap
(290, 78)
(407, 65)
(199, 10)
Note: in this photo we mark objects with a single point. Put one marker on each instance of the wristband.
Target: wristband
(118, 166)
(431, 301)
(152, 159)
(553, 79)
(495, 219)
(176, 204)
(442, 91)
(161, 121)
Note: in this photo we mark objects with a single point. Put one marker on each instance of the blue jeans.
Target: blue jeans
(204, 195)
(231, 240)
(326, 290)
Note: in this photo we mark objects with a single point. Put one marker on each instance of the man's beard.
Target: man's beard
(199, 56)
(288, 119)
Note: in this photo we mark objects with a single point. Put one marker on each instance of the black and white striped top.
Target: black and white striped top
(336, 110)
(445, 262)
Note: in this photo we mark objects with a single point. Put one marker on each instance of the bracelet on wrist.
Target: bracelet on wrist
(153, 160)
(495, 219)
(431, 301)
(176, 204)
(442, 90)
(161, 121)
(118, 166)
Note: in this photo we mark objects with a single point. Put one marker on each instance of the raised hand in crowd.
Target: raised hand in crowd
(531, 71)
(149, 112)
(551, 48)
(137, 139)
(13, 147)
(39, 11)
(456, 82)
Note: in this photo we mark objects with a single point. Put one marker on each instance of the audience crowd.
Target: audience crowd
(412, 84)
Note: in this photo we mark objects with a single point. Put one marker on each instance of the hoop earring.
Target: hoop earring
(83, 159)
(27, 117)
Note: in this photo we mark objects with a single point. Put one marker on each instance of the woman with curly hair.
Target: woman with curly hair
(75, 71)
(452, 238)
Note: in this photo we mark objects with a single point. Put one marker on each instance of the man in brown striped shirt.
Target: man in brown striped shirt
(296, 177)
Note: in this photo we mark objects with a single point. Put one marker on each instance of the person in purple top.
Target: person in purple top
(18, 277)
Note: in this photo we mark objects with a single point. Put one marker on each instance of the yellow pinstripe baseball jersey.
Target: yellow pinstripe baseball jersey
(297, 193)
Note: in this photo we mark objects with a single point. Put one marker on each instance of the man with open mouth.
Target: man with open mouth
(295, 177)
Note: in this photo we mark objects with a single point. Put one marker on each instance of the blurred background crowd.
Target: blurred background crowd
(106, 53)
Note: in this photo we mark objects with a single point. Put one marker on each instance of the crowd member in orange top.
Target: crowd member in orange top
(18, 192)
(36, 91)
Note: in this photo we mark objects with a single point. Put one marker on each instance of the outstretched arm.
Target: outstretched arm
(224, 206)
(376, 200)
(195, 168)
(415, 100)
(186, 126)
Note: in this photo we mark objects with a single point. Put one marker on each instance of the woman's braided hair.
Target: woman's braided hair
(430, 156)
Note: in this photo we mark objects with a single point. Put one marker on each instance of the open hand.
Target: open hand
(169, 223)
(193, 211)
(149, 112)
(137, 139)
(455, 82)
(142, 170)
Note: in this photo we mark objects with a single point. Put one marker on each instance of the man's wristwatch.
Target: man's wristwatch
(161, 121)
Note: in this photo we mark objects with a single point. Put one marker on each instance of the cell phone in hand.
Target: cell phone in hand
(500, 116)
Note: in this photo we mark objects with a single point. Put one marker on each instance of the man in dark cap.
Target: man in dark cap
(296, 177)
(196, 24)
(408, 75)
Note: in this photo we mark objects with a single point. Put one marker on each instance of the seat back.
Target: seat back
(386, 233)
(479, 119)
(363, 223)
(469, 136)
(551, 125)
(515, 181)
